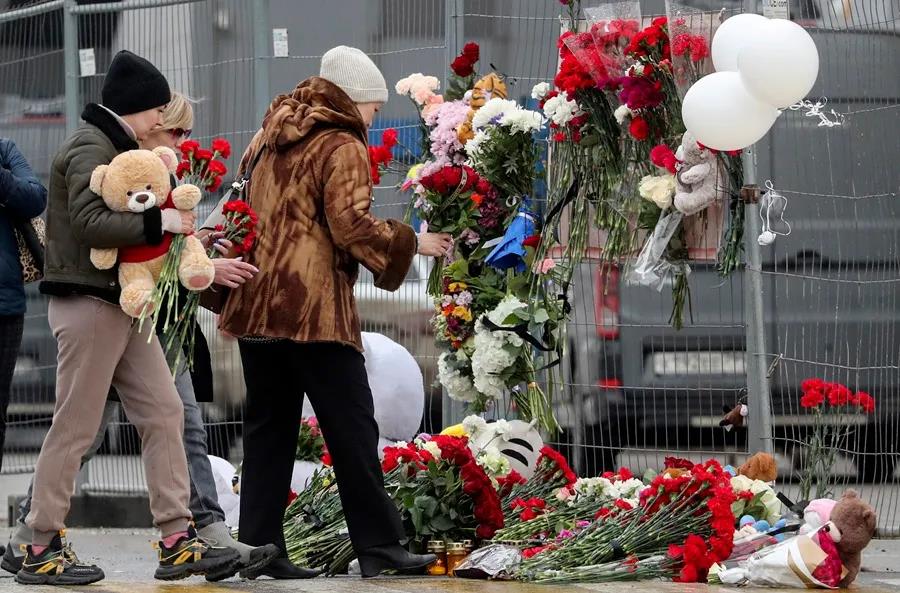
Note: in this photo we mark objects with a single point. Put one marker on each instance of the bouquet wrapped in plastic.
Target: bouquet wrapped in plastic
(805, 561)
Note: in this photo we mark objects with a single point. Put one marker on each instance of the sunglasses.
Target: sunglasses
(180, 132)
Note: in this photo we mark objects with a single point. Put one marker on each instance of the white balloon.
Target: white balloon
(731, 36)
(779, 65)
(723, 115)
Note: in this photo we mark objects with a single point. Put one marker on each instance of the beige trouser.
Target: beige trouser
(100, 345)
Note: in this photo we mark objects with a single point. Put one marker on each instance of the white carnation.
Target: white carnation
(622, 113)
(540, 90)
(501, 427)
(474, 425)
(432, 448)
(493, 462)
(561, 110)
(494, 108)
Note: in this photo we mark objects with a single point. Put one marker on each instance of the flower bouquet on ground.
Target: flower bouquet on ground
(570, 509)
(682, 525)
(200, 167)
(833, 406)
(315, 529)
(442, 491)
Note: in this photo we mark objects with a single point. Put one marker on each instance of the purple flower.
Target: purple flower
(424, 437)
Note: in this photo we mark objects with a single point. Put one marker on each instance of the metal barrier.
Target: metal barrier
(820, 303)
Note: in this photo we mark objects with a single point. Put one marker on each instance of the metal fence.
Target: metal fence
(820, 303)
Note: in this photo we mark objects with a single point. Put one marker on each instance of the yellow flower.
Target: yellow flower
(456, 430)
(458, 286)
(463, 313)
(414, 171)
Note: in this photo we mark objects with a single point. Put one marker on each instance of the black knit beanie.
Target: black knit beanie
(133, 84)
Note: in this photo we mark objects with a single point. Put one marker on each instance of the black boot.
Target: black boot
(374, 561)
(282, 569)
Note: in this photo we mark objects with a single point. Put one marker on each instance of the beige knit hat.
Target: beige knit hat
(355, 73)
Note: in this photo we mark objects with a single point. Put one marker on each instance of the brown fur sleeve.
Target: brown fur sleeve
(386, 247)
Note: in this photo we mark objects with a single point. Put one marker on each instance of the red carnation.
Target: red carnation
(639, 129)
(184, 167)
(202, 154)
(389, 138)
(221, 146)
(217, 168)
(532, 241)
(812, 399)
(839, 395)
(866, 402)
(215, 184)
(188, 147)
(663, 157)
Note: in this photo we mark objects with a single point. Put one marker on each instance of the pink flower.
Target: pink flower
(545, 266)
(431, 105)
(446, 120)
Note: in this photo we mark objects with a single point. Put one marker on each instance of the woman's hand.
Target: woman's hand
(233, 272)
(435, 244)
(230, 271)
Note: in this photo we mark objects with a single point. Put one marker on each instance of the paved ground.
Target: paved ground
(128, 560)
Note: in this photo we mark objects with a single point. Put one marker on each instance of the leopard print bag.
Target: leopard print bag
(30, 237)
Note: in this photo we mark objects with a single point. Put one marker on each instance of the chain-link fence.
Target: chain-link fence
(822, 301)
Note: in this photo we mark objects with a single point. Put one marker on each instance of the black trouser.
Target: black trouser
(334, 378)
(10, 341)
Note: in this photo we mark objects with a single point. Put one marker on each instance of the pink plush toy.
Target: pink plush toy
(817, 513)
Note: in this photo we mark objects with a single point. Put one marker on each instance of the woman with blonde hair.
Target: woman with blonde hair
(177, 122)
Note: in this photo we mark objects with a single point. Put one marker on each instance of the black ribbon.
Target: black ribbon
(520, 330)
(795, 507)
(618, 552)
(558, 207)
(310, 516)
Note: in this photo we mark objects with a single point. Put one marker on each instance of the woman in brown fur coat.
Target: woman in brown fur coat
(297, 321)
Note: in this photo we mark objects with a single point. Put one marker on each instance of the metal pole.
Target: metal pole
(70, 53)
(758, 392)
(262, 51)
(454, 22)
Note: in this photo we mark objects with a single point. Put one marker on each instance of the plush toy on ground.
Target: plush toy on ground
(700, 180)
(136, 181)
(855, 520)
(761, 466)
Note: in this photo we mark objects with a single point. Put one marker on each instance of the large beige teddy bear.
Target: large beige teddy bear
(136, 181)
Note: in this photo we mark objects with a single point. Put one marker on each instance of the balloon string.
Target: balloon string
(815, 110)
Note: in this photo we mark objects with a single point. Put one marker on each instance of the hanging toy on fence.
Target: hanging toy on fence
(772, 206)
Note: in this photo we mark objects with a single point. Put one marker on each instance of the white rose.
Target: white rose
(741, 483)
(659, 189)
